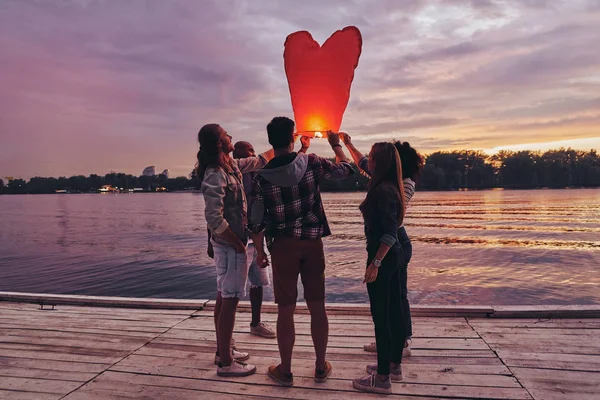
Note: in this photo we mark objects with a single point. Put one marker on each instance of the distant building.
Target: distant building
(165, 173)
(108, 189)
(149, 171)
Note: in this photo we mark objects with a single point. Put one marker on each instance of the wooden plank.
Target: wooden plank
(542, 338)
(38, 385)
(333, 319)
(204, 352)
(99, 336)
(305, 368)
(18, 395)
(438, 347)
(59, 354)
(340, 367)
(547, 311)
(82, 367)
(336, 341)
(45, 374)
(104, 343)
(419, 330)
(548, 332)
(559, 349)
(554, 364)
(548, 356)
(540, 394)
(568, 384)
(92, 310)
(66, 316)
(153, 387)
(537, 323)
(97, 323)
(340, 309)
(106, 390)
(14, 329)
(102, 301)
(260, 384)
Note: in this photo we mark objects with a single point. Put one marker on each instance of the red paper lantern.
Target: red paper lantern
(320, 77)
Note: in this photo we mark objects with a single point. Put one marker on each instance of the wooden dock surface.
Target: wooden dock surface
(83, 352)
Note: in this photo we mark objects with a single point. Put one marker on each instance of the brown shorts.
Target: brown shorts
(293, 257)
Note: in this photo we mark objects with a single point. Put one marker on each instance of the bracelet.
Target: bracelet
(336, 145)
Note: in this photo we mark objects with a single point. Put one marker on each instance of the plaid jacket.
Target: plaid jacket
(295, 211)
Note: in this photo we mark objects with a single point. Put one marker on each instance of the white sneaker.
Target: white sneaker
(406, 351)
(236, 369)
(236, 355)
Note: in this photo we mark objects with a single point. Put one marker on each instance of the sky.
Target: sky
(93, 86)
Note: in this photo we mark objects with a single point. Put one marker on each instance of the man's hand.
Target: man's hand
(333, 138)
(305, 141)
(345, 138)
(261, 258)
(210, 251)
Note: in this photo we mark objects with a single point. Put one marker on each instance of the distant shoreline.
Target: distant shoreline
(322, 191)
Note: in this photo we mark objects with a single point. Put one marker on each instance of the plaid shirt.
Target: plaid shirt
(295, 211)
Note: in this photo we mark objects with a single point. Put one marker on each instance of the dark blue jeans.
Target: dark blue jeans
(403, 275)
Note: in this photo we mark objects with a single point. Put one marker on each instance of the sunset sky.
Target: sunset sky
(92, 86)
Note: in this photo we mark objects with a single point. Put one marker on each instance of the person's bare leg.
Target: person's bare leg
(256, 299)
(217, 312)
(286, 336)
(319, 330)
(225, 329)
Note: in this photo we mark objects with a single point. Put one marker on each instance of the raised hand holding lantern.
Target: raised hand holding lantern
(320, 77)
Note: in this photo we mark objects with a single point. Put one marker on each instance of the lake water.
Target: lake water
(481, 247)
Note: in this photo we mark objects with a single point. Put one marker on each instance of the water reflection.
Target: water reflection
(492, 247)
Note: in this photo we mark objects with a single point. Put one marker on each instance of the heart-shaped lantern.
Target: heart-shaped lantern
(320, 78)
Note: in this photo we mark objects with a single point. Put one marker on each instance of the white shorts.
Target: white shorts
(232, 271)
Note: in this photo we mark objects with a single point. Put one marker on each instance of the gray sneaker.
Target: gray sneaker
(395, 373)
(372, 384)
(263, 330)
(236, 369)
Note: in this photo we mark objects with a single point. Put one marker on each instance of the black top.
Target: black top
(381, 216)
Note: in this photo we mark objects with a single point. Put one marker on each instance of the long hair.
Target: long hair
(210, 153)
(412, 161)
(387, 170)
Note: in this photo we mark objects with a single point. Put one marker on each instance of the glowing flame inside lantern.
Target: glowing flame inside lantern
(318, 135)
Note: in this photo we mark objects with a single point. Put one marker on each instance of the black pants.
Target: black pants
(386, 308)
(407, 249)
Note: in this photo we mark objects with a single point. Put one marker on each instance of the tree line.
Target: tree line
(511, 169)
(93, 183)
(443, 170)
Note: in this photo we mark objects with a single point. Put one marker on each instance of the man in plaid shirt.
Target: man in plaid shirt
(286, 203)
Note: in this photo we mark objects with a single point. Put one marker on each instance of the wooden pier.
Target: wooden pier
(153, 352)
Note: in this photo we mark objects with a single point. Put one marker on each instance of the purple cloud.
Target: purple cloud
(90, 86)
